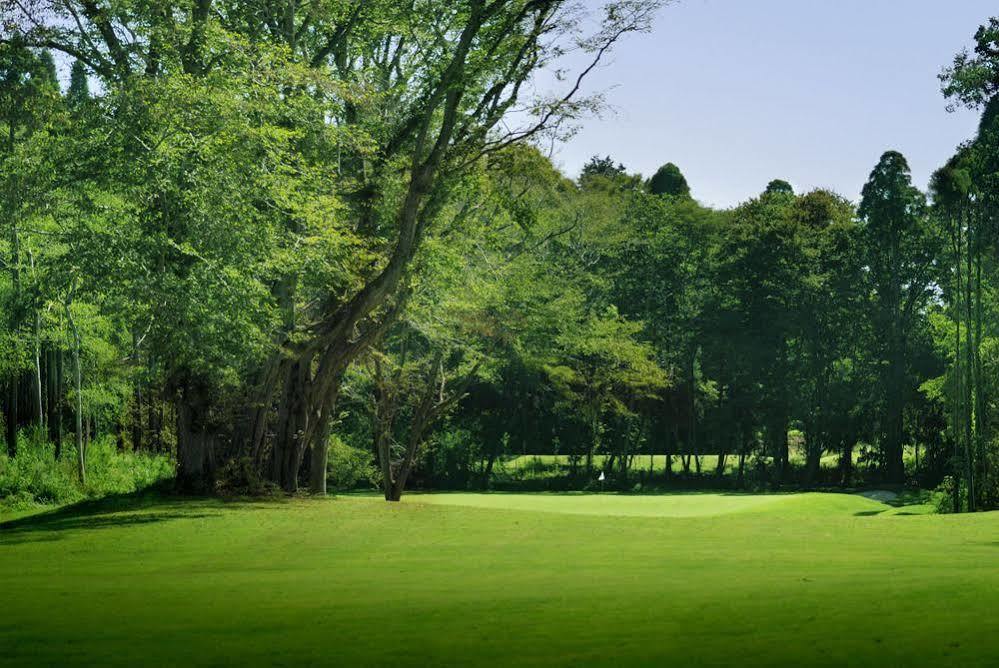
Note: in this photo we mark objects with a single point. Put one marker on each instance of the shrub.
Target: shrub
(942, 497)
(240, 477)
(349, 467)
(36, 477)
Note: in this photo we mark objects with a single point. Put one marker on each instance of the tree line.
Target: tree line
(252, 234)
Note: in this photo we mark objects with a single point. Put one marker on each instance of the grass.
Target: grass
(673, 505)
(498, 579)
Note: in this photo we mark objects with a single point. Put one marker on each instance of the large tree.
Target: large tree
(902, 246)
(414, 95)
(29, 95)
(669, 180)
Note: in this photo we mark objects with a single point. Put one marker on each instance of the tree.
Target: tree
(754, 315)
(599, 363)
(973, 80)
(669, 180)
(406, 102)
(779, 186)
(597, 166)
(965, 201)
(902, 246)
(79, 84)
(29, 95)
(662, 277)
(832, 366)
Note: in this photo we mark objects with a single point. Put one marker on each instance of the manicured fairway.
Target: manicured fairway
(796, 580)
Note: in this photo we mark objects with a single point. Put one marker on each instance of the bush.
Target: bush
(349, 467)
(36, 477)
(449, 459)
(240, 477)
(110, 471)
(942, 497)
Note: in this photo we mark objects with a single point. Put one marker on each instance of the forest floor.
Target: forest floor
(500, 579)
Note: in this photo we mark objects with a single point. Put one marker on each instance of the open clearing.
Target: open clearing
(690, 579)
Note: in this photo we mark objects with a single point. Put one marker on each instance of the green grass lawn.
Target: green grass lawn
(464, 579)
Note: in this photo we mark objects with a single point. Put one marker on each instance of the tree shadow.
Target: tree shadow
(869, 513)
(113, 511)
(159, 503)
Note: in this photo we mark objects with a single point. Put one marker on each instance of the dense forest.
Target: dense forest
(272, 247)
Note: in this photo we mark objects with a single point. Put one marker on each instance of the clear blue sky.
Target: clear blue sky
(738, 92)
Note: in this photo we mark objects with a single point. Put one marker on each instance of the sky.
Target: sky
(739, 92)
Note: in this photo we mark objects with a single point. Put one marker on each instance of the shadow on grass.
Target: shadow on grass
(146, 507)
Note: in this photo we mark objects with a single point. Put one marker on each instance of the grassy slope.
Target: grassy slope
(800, 580)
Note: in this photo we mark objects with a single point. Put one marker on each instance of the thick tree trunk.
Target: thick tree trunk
(292, 425)
(317, 470)
(195, 445)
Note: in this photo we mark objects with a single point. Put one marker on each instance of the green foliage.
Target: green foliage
(35, 477)
(669, 180)
(972, 80)
(79, 85)
(779, 187)
(350, 467)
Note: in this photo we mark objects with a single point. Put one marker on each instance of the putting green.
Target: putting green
(790, 580)
(673, 505)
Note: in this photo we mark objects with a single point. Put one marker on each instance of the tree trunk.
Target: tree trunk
(969, 384)
(783, 453)
(671, 444)
(846, 463)
(958, 399)
(292, 425)
(136, 400)
(81, 454)
(813, 455)
(317, 469)
(981, 423)
(39, 412)
(11, 416)
(195, 445)
(55, 422)
(720, 465)
(487, 473)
